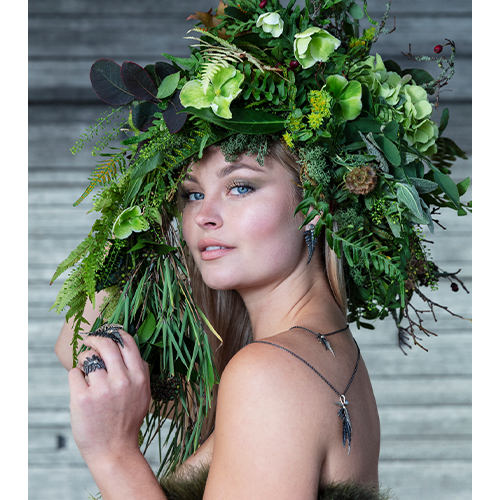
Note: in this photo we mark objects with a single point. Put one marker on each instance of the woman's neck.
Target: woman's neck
(303, 299)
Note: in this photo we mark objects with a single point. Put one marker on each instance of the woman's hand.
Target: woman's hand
(108, 405)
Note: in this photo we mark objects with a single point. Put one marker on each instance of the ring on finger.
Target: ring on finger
(92, 364)
(109, 331)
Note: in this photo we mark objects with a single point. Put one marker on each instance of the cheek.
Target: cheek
(277, 234)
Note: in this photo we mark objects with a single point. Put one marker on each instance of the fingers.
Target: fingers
(115, 357)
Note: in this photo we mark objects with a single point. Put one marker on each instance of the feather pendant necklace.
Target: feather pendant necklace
(343, 414)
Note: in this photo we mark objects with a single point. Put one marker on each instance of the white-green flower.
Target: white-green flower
(408, 104)
(223, 88)
(314, 45)
(131, 219)
(346, 96)
(271, 22)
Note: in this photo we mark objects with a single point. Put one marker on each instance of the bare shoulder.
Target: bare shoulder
(262, 440)
(260, 370)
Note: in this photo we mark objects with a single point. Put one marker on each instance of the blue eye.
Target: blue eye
(194, 196)
(240, 189)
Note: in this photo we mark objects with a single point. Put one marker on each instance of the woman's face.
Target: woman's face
(238, 222)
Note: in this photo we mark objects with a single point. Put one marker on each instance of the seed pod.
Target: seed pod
(361, 180)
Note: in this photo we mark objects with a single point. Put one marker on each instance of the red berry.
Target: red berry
(294, 64)
(454, 287)
(438, 49)
(263, 4)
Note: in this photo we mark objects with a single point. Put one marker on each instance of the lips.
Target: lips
(212, 249)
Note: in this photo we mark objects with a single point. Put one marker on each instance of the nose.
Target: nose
(209, 214)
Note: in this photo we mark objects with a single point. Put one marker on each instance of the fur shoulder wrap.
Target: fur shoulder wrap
(190, 485)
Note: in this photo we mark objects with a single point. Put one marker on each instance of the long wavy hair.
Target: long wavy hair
(226, 310)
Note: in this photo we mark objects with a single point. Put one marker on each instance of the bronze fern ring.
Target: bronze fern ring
(92, 364)
(109, 331)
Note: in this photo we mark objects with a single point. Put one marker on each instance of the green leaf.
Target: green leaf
(237, 14)
(144, 166)
(389, 149)
(367, 125)
(463, 186)
(356, 11)
(449, 187)
(408, 195)
(444, 121)
(168, 85)
(245, 121)
(147, 328)
(423, 186)
(391, 131)
(419, 76)
(187, 62)
(76, 255)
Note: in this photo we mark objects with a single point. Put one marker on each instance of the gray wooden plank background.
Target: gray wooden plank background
(424, 397)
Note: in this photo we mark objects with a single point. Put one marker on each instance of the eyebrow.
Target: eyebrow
(224, 172)
(236, 166)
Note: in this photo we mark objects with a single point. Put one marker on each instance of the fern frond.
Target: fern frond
(229, 51)
(103, 173)
(219, 40)
(370, 252)
(76, 255)
(209, 70)
(73, 287)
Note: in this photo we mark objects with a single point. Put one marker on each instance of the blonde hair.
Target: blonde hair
(226, 310)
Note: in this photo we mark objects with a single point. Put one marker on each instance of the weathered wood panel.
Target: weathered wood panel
(424, 398)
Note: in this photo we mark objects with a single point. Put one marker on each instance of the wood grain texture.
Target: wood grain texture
(424, 398)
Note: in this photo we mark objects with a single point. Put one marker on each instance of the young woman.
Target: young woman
(277, 111)
(277, 433)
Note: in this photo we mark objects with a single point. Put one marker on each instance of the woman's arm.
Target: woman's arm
(63, 347)
(107, 409)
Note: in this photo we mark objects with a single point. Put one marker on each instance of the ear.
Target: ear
(313, 221)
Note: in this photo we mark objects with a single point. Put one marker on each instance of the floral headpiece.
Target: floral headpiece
(374, 165)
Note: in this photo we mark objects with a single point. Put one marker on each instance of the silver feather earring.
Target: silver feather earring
(310, 240)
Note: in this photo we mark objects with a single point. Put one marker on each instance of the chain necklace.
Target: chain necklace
(343, 414)
(321, 336)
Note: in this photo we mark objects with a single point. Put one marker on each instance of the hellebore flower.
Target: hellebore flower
(223, 88)
(131, 219)
(405, 102)
(314, 45)
(346, 96)
(422, 136)
(271, 22)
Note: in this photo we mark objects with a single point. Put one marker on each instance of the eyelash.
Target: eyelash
(185, 193)
(240, 184)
